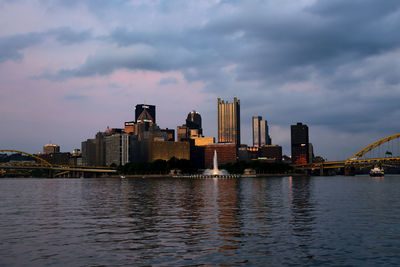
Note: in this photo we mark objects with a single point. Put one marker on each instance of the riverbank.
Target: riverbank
(263, 175)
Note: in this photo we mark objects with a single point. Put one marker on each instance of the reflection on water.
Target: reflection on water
(279, 221)
(302, 217)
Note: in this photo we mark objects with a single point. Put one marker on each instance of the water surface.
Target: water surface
(276, 221)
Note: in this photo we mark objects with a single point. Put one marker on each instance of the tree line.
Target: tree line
(258, 165)
(158, 167)
(186, 166)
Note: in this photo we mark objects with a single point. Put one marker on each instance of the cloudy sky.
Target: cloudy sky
(70, 68)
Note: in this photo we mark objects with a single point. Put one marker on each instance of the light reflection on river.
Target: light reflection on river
(276, 221)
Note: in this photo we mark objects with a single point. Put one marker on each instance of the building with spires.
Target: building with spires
(229, 121)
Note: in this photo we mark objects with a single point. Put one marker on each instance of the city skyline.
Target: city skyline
(69, 68)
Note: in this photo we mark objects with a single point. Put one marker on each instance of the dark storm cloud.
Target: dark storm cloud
(344, 54)
(285, 44)
(269, 47)
(108, 61)
(163, 51)
(11, 46)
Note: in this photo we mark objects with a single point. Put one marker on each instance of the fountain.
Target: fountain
(215, 171)
(210, 173)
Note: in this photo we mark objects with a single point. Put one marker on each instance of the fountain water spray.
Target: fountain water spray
(215, 162)
(215, 171)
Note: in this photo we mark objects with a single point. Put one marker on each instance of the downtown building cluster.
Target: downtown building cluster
(142, 140)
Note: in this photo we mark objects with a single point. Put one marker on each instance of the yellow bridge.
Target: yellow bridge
(385, 151)
(51, 170)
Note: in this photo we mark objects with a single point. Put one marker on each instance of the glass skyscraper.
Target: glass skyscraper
(229, 121)
(260, 132)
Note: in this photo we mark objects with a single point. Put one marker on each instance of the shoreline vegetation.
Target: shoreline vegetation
(186, 167)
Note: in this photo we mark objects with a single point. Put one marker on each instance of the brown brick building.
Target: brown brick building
(225, 153)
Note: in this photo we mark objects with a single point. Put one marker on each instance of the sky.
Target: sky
(70, 68)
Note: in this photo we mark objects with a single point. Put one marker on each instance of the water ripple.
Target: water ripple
(280, 221)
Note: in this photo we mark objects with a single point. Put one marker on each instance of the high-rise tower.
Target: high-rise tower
(193, 121)
(151, 109)
(300, 143)
(256, 131)
(260, 132)
(192, 128)
(229, 121)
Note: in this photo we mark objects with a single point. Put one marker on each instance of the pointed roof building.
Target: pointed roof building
(145, 117)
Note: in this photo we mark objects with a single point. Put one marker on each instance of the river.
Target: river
(309, 221)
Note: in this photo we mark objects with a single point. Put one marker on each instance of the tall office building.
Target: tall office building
(256, 131)
(193, 121)
(229, 121)
(94, 150)
(151, 109)
(119, 148)
(300, 143)
(192, 128)
(260, 132)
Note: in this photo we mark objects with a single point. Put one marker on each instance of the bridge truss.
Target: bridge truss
(26, 167)
(385, 151)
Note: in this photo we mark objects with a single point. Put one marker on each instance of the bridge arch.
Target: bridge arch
(370, 147)
(40, 160)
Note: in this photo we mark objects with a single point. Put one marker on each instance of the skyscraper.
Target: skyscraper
(260, 132)
(94, 150)
(151, 109)
(119, 147)
(265, 139)
(229, 121)
(300, 143)
(192, 128)
(193, 121)
(256, 131)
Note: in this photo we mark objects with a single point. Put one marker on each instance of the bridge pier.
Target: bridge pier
(349, 171)
(321, 170)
